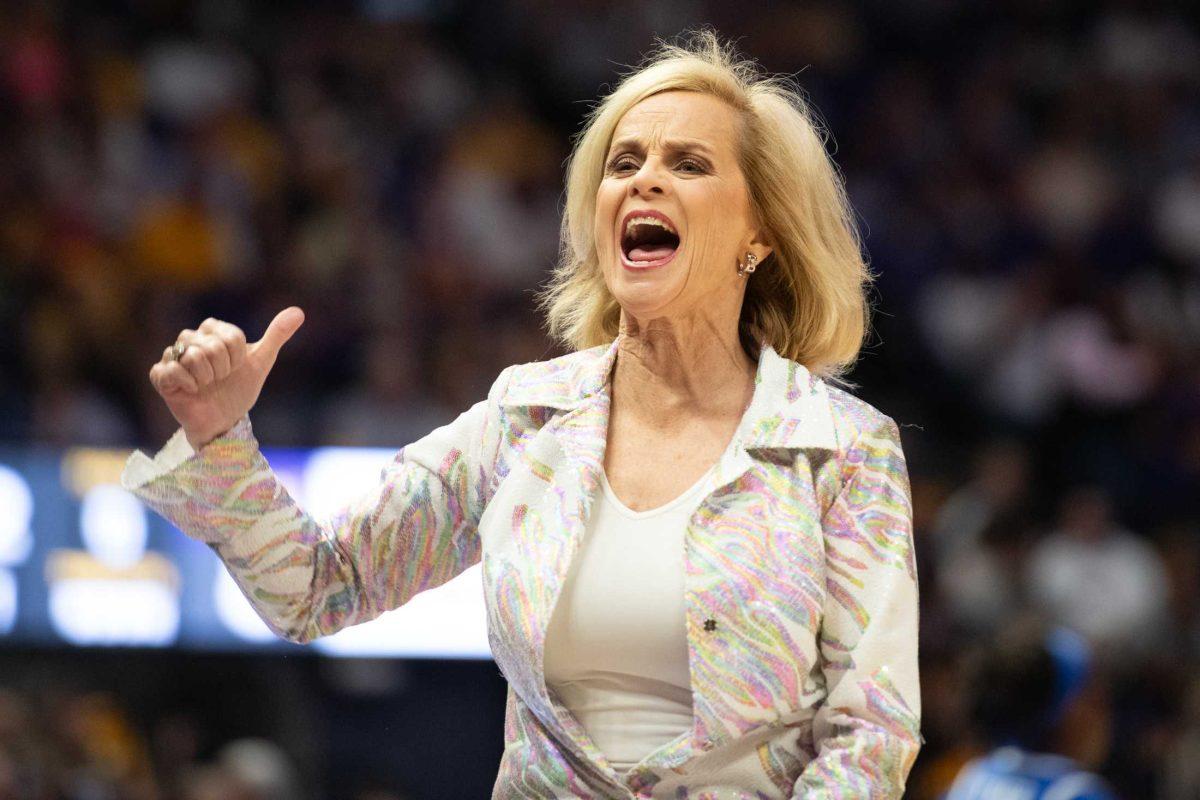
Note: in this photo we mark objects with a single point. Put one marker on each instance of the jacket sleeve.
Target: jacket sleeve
(414, 530)
(867, 730)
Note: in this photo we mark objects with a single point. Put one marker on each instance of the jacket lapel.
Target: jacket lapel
(740, 541)
(567, 454)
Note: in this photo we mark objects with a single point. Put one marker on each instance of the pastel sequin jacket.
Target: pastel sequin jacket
(801, 584)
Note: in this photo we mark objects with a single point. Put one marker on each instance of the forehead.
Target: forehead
(680, 115)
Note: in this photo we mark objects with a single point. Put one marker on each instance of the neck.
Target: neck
(667, 366)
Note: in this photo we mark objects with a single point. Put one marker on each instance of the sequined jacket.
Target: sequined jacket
(801, 584)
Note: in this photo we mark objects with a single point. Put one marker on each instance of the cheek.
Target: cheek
(709, 220)
(608, 197)
(713, 220)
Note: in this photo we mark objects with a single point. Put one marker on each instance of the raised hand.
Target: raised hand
(219, 376)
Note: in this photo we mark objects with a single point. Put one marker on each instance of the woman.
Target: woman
(697, 554)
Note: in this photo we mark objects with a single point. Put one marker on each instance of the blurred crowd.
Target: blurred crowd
(163, 725)
(71, 744)
(1027, 177)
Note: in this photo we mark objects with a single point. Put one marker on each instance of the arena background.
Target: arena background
(1027, 176)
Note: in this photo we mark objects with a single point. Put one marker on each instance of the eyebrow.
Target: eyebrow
(671, 145)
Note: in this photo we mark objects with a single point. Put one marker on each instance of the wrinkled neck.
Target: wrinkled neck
(669, 366)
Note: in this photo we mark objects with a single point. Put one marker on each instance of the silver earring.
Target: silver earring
(748, 267)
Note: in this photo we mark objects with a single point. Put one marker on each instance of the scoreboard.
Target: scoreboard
(83, 563)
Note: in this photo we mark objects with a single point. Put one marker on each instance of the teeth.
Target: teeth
(649, 221)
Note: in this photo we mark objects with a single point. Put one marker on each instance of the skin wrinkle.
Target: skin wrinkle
(680, 350)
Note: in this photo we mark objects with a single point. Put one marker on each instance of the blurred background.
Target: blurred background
(1027, 176)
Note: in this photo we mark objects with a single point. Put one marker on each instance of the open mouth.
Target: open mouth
(648, 240)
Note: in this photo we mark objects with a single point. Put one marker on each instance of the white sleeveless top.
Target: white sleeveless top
(616, 647)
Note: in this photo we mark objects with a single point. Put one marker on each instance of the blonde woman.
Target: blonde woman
(697, 550)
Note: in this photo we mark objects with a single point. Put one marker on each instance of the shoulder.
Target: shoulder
(854, 419)
(1064, 780)
(1054, 777)
(868, 450)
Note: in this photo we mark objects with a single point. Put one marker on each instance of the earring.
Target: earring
(748, 267)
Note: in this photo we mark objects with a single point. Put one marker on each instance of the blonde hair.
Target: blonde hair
(808, 299)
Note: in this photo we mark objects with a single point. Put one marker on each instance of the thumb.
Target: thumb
(286, 323)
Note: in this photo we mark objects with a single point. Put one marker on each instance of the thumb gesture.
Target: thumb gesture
(264, 352)
(218, 377)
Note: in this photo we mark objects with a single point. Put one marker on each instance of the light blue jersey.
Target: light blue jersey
(1014, 774)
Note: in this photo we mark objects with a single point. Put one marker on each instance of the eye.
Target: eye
(690, 165)
(621, 163)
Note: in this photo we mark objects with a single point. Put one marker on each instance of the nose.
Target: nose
(648, 180)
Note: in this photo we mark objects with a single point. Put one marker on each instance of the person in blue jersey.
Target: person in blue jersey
(1036, 700)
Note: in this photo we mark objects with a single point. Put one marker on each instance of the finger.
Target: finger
(195, 361)
(286, 323)
(235, 343)
(172, 377)
(156, 376)
(181, 379)
(218, 357)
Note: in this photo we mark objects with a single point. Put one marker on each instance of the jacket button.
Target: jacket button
(710, 624)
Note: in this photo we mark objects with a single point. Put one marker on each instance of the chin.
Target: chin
(643, 295)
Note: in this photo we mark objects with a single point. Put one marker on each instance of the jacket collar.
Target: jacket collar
(790, 407)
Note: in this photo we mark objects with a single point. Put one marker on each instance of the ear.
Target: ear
(761, 243)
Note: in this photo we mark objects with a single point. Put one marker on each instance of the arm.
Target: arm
(867, 731)
(415, 529)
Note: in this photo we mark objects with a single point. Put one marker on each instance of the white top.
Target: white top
(616, 646)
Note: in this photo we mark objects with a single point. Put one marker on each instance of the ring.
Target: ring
(178, 350)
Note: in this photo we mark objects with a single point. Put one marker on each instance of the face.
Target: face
(673, 216)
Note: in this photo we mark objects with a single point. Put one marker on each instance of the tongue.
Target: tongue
(650, 252)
